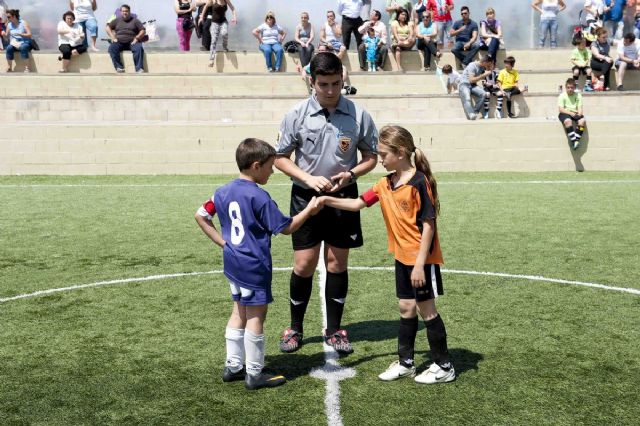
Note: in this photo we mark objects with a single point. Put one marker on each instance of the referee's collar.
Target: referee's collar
(342, 107)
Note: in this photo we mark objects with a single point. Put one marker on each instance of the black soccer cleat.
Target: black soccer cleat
(263, 380)
(230, 376)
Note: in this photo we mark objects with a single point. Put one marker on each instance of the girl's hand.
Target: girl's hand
(417, 276)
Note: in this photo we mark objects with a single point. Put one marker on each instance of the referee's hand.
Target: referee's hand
(318, 183)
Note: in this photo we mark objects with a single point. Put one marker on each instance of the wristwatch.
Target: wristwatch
(353, 176)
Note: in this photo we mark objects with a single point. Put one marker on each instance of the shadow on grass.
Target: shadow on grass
(463, 360)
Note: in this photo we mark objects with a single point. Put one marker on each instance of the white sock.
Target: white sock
(254, 348)
(235, 348)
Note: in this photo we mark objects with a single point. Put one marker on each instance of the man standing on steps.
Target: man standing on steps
(326, 132)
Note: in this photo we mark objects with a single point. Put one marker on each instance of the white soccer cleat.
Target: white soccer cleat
(397, 371)
(435, 374)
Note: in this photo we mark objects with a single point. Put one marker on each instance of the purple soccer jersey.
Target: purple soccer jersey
(248, 218)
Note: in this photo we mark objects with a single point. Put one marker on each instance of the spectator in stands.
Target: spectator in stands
(549, 10)
(19, 34)
(126, 33)
(491, 34)
(441, 13)
(474, 73)
(203, 24)
(403, 35)
(331, 34)
(570, 114)
(351, 20)
(270, 36)
(453, 78)
(581, 59)
(601, 62)
(305, 72)
(628, 57)
(3, 23)
(393, 8)
(491, 87)
(613, 19)
(371, 43)
(508, 79)
(219, 26)
(381, 32)
(70, 38)
(304, 36)
(184, 22)
(417, 11)
(427, 33)
(466, 33)
(84, 13)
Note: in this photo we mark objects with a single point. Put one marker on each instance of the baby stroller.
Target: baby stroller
(586, 29)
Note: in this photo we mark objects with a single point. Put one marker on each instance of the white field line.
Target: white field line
(332, 371)
(355, 268)
(364, 183)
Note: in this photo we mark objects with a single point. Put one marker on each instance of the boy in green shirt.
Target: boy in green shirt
(581, 58)
(570, 108)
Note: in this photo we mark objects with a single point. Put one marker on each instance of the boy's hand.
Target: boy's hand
(315, 205)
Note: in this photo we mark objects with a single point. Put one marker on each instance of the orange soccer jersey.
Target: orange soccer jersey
(404, 210)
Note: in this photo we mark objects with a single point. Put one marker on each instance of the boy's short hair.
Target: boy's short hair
(570, 82)
(510, 60)
(447, 69)
(371, 29)
(630, 37)
(325, 63)
(251, 150)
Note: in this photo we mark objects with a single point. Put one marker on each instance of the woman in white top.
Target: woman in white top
(83, 10)
(331, 35)
(304, 37)
(270, 36)
(549, 10)
(70, 39)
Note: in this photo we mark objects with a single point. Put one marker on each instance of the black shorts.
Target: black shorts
(431, 289)
(581, 70)
(562, 116)
(338, 228)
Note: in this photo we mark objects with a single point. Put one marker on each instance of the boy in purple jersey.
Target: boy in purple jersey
(248, 218)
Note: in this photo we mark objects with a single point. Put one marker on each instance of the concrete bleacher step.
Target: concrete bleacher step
(254, 84)
(383, 109)
(241, 61)
(113, 148)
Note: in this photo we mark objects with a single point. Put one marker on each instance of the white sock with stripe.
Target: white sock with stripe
(235, 348)
(254, 348)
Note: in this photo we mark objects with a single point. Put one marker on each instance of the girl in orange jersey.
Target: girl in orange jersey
(409, 202)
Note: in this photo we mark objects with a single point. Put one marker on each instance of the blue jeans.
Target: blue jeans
(90, 28)
(493, 47)
(116, 48)
(549, 26)
(268, 49)
(465, 56)
(25, 48)
(466, 91)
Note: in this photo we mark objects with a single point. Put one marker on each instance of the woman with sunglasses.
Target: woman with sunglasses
(270, 36)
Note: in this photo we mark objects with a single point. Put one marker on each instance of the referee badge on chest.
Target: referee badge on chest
(345, 143)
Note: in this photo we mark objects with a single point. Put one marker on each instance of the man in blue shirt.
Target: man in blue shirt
(466, 33)
(613, 19)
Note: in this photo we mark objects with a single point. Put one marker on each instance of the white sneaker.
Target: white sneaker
(435, 374)
(473, 116)
(498, 114)
(396, 371)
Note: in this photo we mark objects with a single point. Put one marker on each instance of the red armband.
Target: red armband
(210, 207)
(369, 198)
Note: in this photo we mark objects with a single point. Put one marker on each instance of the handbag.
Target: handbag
(34, 44)
(187, 23)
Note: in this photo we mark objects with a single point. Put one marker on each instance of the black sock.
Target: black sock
(335, 294)
(579, 132)
(437, 337)
(406, 340)
(299, 293)
(509, 106)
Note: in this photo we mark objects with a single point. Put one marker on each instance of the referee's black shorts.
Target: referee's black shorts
(338, 228)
